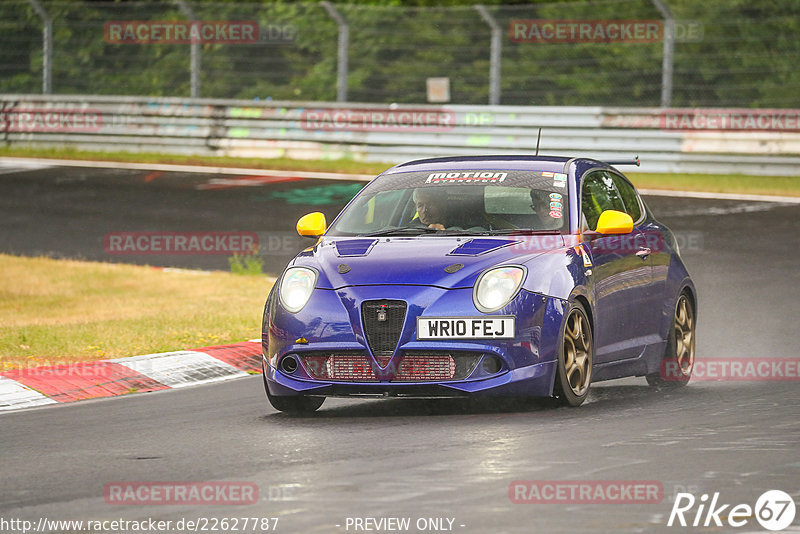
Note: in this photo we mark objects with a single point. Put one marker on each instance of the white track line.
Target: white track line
(168, 167)
(8, 167)
(341, 176)
(719, 196)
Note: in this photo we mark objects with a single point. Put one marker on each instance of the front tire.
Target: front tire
(574, 358)
(675, 369)
(297, 405)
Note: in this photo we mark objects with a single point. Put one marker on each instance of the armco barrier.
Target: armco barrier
(759, 142)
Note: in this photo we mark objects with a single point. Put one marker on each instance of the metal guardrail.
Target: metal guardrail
(758, 142)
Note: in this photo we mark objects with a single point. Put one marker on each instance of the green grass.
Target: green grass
(727, 183)
(719, 183)
(59, 311)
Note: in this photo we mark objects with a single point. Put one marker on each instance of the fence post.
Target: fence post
(669, 52)
(47, 46)
(194, 51)
(495, 55)
(341, 64)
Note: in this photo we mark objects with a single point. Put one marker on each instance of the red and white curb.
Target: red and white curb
(38, 386)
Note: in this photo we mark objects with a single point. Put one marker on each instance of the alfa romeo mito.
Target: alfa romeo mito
(494, 276)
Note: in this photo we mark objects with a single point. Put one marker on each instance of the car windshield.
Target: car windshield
(457, 203)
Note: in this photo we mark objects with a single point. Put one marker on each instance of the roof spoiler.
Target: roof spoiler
(634, 161)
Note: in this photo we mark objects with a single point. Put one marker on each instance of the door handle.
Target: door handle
(644, 252)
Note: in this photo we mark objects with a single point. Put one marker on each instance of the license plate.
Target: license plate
(490, 327)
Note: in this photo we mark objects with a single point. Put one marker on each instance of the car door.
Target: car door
(650, 248)
(621, 277)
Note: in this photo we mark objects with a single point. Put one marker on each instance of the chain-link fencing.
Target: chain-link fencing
(676, 53)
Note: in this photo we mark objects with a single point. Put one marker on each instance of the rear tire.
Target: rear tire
(575, 357)
(676, 367)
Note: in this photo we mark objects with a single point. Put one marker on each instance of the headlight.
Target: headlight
(496, 287)
(297, 285)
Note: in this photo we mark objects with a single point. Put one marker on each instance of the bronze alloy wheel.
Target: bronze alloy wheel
(676, 368)
(683, 330)
(575, 360)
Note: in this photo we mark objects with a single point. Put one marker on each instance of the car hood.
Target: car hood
(448, 262)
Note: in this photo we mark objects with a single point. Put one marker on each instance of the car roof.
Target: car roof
(494, 162)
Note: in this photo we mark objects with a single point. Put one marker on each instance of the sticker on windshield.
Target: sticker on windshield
(547, 174)
(555, 196)
(481, 177)
(559, 179)
(555, 206)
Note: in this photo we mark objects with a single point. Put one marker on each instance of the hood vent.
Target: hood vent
(475, 247)
(354, 247)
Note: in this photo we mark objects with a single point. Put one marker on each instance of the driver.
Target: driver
(431, 207)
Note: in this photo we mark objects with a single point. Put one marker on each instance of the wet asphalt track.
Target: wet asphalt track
(404, 458)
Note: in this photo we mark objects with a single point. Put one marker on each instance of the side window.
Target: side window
(629, 198)
(599, 194)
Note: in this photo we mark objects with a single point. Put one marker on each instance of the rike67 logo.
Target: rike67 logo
(774, 510)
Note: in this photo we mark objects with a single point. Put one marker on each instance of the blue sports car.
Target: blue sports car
(513, 276)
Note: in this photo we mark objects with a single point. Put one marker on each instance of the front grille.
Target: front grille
(433, 367)
(412, 366)
(346, 367)
(383, 323)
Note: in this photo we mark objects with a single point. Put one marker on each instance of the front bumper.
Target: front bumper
(533, 381)
(331, 323)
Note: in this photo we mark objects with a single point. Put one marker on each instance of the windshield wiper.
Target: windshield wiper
(403, 230)
(420, 230)
(520, 231)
